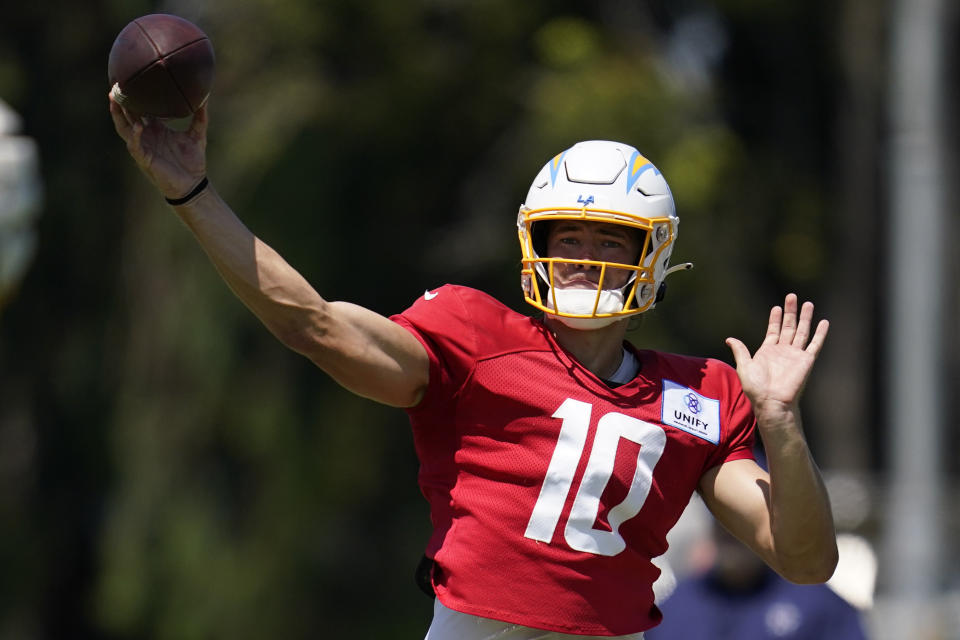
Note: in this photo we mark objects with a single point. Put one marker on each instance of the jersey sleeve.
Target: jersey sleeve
(738, 422)
(440, 321)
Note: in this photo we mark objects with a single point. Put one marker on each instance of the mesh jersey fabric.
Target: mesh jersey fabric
(502, 402)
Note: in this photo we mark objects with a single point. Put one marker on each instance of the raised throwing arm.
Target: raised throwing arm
(364, 351)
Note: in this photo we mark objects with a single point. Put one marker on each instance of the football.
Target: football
(161, 65)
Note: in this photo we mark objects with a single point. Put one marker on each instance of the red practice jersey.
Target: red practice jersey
(550, 491)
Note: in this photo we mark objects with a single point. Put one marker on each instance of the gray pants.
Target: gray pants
(452, 625)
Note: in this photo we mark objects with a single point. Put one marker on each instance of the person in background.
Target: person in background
(21, 198)
(740, 598)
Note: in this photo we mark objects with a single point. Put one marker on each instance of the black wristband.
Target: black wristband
(190, 196)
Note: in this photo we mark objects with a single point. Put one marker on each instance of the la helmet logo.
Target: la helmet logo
(586, 202)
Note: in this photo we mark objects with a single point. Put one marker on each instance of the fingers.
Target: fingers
(788, 328)
(121, 121)
(740, 352)
(819, 336)
(128, 126)
(198, 127)
(803, 325)
(773, 326)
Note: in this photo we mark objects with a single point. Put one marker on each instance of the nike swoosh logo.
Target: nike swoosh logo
(429, 295)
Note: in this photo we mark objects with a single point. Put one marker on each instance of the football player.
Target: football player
(554, 454)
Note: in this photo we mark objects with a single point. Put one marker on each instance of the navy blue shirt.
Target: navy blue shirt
(703, 609)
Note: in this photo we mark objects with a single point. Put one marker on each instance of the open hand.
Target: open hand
(174, 161)
(774, 377)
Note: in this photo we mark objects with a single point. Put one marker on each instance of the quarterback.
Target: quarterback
(555, 455)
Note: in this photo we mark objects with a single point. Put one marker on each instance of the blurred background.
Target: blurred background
(168, 470)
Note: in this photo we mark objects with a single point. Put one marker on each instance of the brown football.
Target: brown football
(161, 65)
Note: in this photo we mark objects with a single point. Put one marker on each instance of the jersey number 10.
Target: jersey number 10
(579, 531)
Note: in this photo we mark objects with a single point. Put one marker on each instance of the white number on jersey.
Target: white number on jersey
(579, 531)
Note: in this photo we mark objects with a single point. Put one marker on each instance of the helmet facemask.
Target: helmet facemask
(621, 289)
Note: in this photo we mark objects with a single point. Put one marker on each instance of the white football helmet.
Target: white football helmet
(598, 181)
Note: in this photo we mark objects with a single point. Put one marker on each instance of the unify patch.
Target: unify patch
(689, 411)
